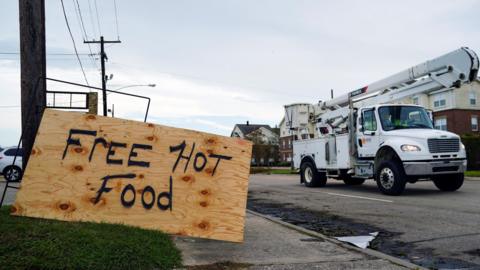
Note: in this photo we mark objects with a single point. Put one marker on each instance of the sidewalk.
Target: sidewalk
(269, 245)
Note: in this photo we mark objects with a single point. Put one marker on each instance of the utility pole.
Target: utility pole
(103, 57)
(33, 70)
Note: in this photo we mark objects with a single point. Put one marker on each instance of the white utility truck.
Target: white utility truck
(367, 134)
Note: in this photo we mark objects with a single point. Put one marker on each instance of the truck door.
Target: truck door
(367, 134)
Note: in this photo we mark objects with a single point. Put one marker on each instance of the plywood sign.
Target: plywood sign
(91, 168)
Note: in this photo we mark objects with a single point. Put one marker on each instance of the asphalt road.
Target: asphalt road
(428, 227)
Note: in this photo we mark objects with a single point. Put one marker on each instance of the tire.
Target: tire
(448, 182)
(351, 181)
(311, 177)
(12, 173)
(391, 178)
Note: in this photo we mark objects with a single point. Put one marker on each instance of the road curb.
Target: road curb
(370, 252)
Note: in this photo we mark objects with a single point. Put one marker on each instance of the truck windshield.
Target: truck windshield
(402, 117)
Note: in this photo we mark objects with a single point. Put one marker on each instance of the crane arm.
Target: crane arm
(449, 70)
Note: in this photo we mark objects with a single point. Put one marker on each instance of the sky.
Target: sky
(223, 62)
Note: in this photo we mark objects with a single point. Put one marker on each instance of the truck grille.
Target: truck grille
(443, 145)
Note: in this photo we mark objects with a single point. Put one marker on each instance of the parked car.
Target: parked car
(11, 172)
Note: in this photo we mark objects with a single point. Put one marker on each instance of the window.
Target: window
(474, 122)
(441, 123)
(415, 100)
(439, 101)
(11, 152)
(472, 98)
(402, 117)
(369, 121)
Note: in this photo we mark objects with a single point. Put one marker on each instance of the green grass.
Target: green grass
(472, 173)
(266, 170)
(283, 171)
(28, 243)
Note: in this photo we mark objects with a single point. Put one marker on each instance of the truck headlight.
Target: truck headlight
(409, 148)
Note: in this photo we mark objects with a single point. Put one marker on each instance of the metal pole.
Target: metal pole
(104, 81)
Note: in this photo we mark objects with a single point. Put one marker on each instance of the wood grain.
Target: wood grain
(208, 200)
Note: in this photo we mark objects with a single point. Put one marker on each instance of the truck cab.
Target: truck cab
(400, 141)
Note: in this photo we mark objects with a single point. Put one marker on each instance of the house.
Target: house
(265, 142)
(285, 142)
(454, 109)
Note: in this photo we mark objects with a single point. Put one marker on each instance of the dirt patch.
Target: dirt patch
(473, 252)
(334, 226)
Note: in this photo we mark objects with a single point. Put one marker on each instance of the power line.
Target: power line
(80, 18)
(116, 18)
(91, 18)
(85, 37)
(73, 41)
(98, 18)
(18, 53)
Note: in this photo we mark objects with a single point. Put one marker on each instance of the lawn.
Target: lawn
(28, 243)
(267, 170)
(472, 173)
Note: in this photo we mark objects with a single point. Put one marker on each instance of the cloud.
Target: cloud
(217, 63)
(213, 124)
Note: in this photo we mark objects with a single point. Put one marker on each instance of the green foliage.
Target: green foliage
(472, 173)
(268, 170)
(472, 146)
(28, 243)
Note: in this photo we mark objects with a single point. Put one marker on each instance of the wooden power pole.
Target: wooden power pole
(33, 69)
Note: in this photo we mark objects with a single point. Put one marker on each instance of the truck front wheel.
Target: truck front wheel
(390, 177)
(448, 182)
(311, 177)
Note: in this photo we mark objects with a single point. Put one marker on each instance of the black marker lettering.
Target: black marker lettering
(152, 192)
(181, 148)
(111, 152)
(169, 196)
(195, 163)
(71, 141)
(97, 141)
(219, 157)
(105, 189)
(122, 197)
(135, 154)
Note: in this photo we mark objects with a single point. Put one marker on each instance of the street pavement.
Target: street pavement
(268, 245)
(440, 229)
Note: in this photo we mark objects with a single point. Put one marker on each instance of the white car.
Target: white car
(11, 172)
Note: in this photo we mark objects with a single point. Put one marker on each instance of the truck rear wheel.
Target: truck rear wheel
(448, 182)
(311, 177)
(390, 177)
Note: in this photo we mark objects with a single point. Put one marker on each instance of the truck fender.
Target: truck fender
(386, 152)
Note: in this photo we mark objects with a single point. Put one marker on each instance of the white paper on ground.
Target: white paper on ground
(360, 241)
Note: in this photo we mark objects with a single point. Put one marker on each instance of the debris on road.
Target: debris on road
(362, 241)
